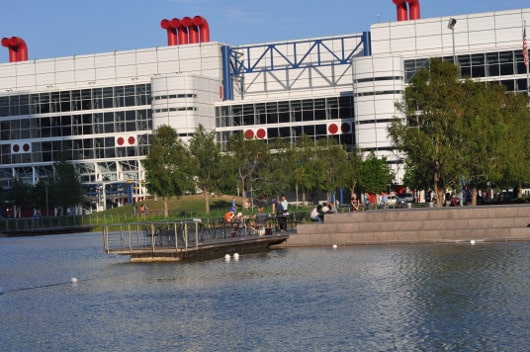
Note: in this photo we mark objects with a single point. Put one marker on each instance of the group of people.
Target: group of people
(259, 225)
(318, 212)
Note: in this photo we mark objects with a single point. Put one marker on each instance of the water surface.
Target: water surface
(441, 297)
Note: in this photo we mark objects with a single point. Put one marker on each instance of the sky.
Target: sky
(58, 28)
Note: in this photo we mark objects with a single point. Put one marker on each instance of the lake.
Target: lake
(432, 297)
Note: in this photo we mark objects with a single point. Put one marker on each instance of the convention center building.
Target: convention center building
(99, 110)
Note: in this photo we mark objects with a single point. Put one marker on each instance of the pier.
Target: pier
(183, 240)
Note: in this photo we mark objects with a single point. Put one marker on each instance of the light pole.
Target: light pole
(451, 26)
(47, 214)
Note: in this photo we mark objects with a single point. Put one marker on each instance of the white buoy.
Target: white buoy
(227, 257)
(236, 256)
(334, 246)
(472, 242)
(73, 280)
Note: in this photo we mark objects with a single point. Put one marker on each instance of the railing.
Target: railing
(27, 225)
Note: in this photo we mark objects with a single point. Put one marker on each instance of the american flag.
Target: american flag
(525, 48)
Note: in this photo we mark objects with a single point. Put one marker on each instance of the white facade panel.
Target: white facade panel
(65, 78)
(106, 74)
(385, 107)
(146, 56)
(65, 64)
(47, 66)
(127, 58)
(404, 30)
(84, 62)
(41, 80)
(124, 72)
(146, 70)
(104, 60)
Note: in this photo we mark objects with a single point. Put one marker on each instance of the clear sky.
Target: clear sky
(57, 28)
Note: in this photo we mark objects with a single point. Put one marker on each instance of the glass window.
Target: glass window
(506, 59)
(260, 114)
(321, 130)
(492, 64)
(477, 65)
(107, 97)
(248, 114)
(4, 106)
(272, 132)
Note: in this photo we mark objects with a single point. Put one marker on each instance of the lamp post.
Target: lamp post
(47, 214)
(451, 26)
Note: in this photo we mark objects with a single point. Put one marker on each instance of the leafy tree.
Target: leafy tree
(376, 174)
(65, 188)
(274, 171)
(516, 151)
(20, 196)
(353, 169)
(336, 169)
(38, 195)
(247, 155)
(305, 175)
(206, 156)
(168, 166)
(429, 136)
(481, 132)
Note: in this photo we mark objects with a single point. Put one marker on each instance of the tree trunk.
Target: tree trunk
(206, 193)
(243, 193)
(166, 211)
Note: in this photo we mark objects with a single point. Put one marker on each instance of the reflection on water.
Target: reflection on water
(444, 297)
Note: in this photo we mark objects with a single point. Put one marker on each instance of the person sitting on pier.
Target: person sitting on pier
(238, 225)
(260, 220)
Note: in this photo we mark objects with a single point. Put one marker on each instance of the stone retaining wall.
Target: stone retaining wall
(483, 223)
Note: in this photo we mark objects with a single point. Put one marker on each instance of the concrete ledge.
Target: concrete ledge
(433, 225)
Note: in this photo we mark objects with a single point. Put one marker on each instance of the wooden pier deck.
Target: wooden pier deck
(182, 240)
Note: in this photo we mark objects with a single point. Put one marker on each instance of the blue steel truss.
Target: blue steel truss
(261, 58)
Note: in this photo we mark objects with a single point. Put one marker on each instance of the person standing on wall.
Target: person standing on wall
(354, 203)
(285, 204)
(277, 209)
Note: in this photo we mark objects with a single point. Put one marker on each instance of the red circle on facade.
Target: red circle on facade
(345, 127)
(333, 128)
(16, 148)
(26, 147)
(120, 140)
(249, 134)
(261, 133)
(131, 140)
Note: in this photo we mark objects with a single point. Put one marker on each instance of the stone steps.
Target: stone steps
(485, 223)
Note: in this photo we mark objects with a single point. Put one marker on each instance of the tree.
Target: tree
(273, 174)
(376, 174)
(336, 168)
(481, 132)
(353, 169)
(206, 156)
(305, 172)
(66, 189)
(247, 155)
(516, 151)
(20, 196)
(38, 195)
(168, 166)
(429, 135)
